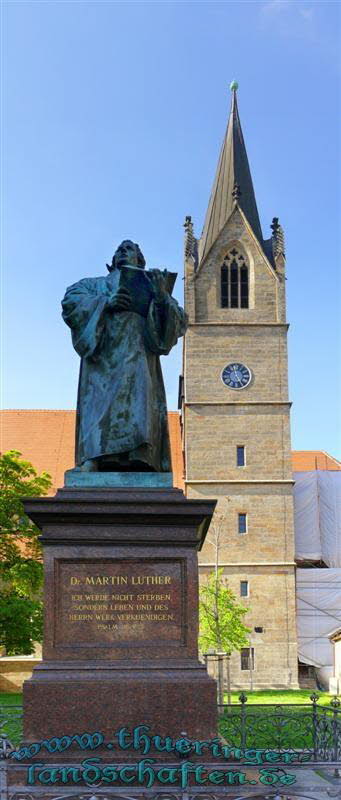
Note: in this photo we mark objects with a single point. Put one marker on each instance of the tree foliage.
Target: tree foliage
(220, 617)
(21, 571)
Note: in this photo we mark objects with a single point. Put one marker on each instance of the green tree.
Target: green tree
(21, 571)
(221, 626)
(220, 616)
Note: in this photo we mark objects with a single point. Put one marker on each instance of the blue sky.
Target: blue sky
(113, 116)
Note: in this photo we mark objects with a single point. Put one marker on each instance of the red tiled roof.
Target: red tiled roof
(46, 438)
(309, 460)
(176, 449)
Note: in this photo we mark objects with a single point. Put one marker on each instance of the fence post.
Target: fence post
(335, 703)
(314, 698)
(243, 700)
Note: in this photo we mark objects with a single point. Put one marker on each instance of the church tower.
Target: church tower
(236, 414)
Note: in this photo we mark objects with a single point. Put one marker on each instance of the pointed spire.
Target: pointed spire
(232, 185)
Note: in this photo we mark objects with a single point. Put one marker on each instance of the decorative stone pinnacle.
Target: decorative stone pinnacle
(191, 245)
(278, 243)
(234, 86)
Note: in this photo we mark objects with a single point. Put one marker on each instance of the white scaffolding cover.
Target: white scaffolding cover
(317, 508)
(318, 614)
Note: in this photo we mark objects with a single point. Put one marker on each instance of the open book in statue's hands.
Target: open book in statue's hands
(141, 286)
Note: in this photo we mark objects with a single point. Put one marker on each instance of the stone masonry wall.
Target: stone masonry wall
(270, 530)
(262, 348)
(214, 432)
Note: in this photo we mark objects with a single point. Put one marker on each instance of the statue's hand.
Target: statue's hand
(158, 280)
(120, 301)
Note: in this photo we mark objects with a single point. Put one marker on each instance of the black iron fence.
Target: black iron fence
(10, 724)
(310, 729)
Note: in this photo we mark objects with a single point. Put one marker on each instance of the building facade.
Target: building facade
(236, 411)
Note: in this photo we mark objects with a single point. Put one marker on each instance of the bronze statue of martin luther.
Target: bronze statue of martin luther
(121, 325)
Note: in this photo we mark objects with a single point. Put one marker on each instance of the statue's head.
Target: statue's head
(127, 254)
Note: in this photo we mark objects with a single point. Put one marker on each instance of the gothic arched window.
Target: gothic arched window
(234, 281)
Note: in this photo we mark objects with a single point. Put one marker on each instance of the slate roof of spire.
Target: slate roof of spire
(233, 172)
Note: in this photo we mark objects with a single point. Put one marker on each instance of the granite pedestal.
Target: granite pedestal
(121, 615)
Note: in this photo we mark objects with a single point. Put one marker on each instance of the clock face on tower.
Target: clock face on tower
(236, 376)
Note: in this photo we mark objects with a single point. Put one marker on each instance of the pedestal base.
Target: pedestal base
(121, 615)
(171, 701)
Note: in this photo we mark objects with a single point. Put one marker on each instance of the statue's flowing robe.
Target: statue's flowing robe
(121, 407)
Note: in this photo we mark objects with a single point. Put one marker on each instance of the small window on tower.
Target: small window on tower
(240, 455)
(234, 284)
(234, 281)
(244, 588)
(242, 523)
(247, 658)
(244, 287)
(224, 286)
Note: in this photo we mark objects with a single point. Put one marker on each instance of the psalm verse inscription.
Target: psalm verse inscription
(116, 601)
